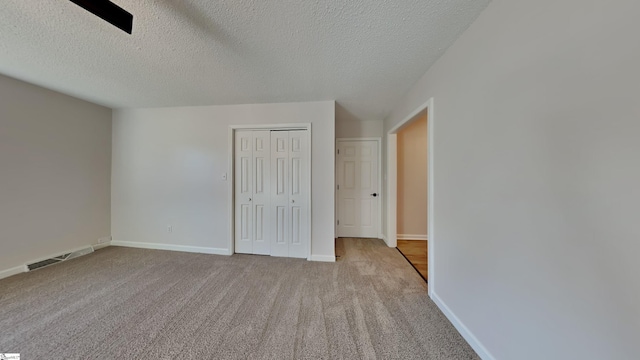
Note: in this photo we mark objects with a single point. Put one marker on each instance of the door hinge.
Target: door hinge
(338, 222)
(338, 186)
(338, 151)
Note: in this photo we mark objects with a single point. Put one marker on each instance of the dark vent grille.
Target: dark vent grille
(60, 258)
(43, 263)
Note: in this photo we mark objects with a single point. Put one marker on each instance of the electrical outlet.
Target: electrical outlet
(104, 239)
(170, 229)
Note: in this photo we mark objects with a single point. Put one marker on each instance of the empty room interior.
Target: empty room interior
(322, 179)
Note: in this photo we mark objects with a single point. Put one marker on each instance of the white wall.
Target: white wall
(168, 165)
(537, 124)
(55, 165)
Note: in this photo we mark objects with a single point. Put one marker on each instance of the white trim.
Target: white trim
(310, 211)
(359, 139)
(323, 258)
(475, 344)
(13, 271)
(24, 268)
(431, 193)
(380, 183)
(231, 189)
(392, 190)
(428, 104)
(231, 174)
(392, 186)
(289, 126)
(380, 186)
(411, 237)
(101, 245)
(171, 247)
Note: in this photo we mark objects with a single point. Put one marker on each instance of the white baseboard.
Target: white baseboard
(171, 247)
(13, 271)
(386, 240)
(462, 329)
(102, 245)
(24, 268)
(411, 237)
(59, 253)
(323, 258)
(195, 249)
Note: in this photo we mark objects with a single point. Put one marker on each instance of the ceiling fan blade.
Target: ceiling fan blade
(109, 12)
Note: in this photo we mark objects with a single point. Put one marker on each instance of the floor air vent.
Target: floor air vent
(60, 258)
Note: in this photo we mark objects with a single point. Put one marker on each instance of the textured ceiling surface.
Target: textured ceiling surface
(365, 54)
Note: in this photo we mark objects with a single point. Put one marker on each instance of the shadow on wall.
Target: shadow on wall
(342, 114)
(350, 126)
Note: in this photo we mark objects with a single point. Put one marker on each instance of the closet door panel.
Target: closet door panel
(298, 191)
(279, 193)
(281, 227)
(261, 191)
(243, 192)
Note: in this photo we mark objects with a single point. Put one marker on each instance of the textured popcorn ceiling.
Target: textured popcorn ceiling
(365, 54)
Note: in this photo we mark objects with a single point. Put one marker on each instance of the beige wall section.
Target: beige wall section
(412, 179)
(55, 171)
(536, 152)
(359, 129)
(349, 126)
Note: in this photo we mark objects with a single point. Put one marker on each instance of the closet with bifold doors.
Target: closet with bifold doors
(271, 192)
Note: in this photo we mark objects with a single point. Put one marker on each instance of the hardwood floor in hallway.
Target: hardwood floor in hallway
(416, 252)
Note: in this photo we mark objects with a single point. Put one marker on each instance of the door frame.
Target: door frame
(231, 174)
(380, 184)
(392, 185)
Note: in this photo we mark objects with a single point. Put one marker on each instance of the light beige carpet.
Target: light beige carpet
(121, 303)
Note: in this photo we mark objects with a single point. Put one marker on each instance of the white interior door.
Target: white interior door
(252, 167)
(358, 189)
(298, 194)
(289, 194)
(279, 193)
(243, 192)
(261, 188)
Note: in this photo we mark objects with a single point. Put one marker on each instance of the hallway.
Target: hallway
(417, 253)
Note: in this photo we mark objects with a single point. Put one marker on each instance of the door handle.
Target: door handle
(374, 194)
(249, 199)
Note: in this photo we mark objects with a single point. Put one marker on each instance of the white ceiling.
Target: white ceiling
(365, 54)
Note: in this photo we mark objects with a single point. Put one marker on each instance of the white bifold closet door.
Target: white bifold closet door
(271, 193)
(289, 194)
(252, 166)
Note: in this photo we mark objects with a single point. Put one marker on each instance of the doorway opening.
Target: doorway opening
(411, 195)
(410, 190)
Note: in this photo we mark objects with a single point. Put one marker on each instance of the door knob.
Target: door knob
(293, 201)
(249, 199)
(374, 194)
